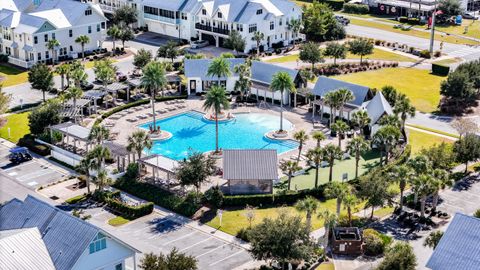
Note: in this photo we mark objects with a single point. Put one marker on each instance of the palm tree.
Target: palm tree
(349, 202)
(315, 156)
(219, 67)
(300, 136)
(289, 167)
(361, 119)
(419, 164)
(282, 81)
(104, 71)
(138, 141)
(99, 154)
(243, 84)
(99, 133)
(391, 120)
(83, 39)
(74, 93)
(332, 152)
(338, 190)
(386, 137)
(52, 45)
(345, 96)
(258, 37)
(114, 32)
(62, 70)
(154, 79)
(85, 165)
(423, 186)
(334, 101)
(357, 146)
(216, 100)
(441, 180)
(78, 75)
(401, 174)
(309, 205)
(341, 128)
(294, 25)
(403, 108)
(102, 179)
(329, 222)
(318, 136)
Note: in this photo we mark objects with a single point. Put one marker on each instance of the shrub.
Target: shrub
(243, 234)
(425, 54)
(356, 8)
(270, 199)
(214, 196)
(335, 4)
(76, 199)
(130, 211)
(440, 69)
(29, 142)
(132, 171)
(373, 243)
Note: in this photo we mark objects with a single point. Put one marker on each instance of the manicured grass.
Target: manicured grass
(447, 62)
(118, 221)
(475, 167)
(18, 124)
(473, 28)
(326, 266)
(76, 199)
(283, 59)
(12, 76)
(307, 180)
(381, 212)
(420, 140)
(434, 130)
(422, 87)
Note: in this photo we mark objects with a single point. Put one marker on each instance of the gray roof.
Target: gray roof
(73, 130)
(459, 247)
(198, 67)
(325, 85)
(377, 107)
(263, 72)
(160, 162)
(116, 149)
(250, 164)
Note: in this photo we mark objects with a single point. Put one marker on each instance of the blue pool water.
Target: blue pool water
(193, 133)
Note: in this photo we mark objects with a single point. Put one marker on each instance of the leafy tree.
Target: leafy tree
(336, 51)
(4, 101)
(332, 152)
(315, 156)
(477, 213)
(76, 73)
(349, 202)
(433, 239)
(44, 116)
(214, 196)
(310, 52)
(289, 167)
(399, 257)
(464, 126)
(361, 47)
(282, 239)
(195, 170)
(341, 128)
(467, 149)
(114, 33)
(301, 137)
(319, 23)
(142, 58)
(169, 50)
(386, 138)
(318, 136)
(105, 72)
(53, 45)
(402, 175)
(338, 190)
(154, 79)
(258, 37)
(83, 39)
(458, 87)
(219, 67)
(282, 82)
(309, 205)
(125, 15)
(361, 119)
(74, 93)
(472, 69)
(374, 190)
(126, 34)
(440, 155)
(294, 25)
(216, 100)
(99, 134)
(357, 146)
(390, 94)
(450, 7)
(40, 77)
(227, 55)
(138, 141)
(329, 221)
(174, 260)
(235, 41)
(243, 84)
(404, 109)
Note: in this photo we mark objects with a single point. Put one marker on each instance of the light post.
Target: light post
(432, 30)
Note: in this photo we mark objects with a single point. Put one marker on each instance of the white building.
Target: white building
(36, 235)
(213, 20)
(26, 26)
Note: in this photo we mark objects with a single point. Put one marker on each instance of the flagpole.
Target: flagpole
(432, 30)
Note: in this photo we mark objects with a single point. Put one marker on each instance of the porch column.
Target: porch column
(217, 41)
(118, 163)
(313, 107)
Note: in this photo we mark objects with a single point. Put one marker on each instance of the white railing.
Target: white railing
(21, 63)
(161, 18)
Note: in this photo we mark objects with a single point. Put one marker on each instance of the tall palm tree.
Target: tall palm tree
(332, 152)
(315, 156)
(74, 93)
(401, 174)
(309, 205)
(403, 108)
(424, 186)
(114, 32)
(62, 70)
(329, 221)
(282, 82)
(300, 136)
(386, 137)
(138, 141)
(83, 39)
(441, 180)
(154, 79)
(361, 119)
(349, 202)
(216, 100)
(419, 164)
(391, 120)
(100, 154)
(102, 179)
(338, 190)
(294, 25)
(52, 45)
(258, 37)
(345, 96)
(289, 167)
(105, 71)
(219, 67)
(98, 133)
(244, 83)
(341, 128)
(334, 101)
(78, 75)
(357, 146)
(318, 136)
(85, 165)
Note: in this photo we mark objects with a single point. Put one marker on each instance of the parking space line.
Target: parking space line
(234, 254)
(164, 244)
(196, 243)
(19, 165)
(34, 174)
(210, 251)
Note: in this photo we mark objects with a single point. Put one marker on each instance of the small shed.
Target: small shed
(347, 241)
(250, 171)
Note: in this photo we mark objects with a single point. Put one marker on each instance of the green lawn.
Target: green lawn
(283, 59)
(12, 76)
(18, 124)
(420, 140)
(118, 221)
(307, 180)
(381, 212)
(473, 28)
(422, 87)
(434, 130)
(326, 266)
(447, 62)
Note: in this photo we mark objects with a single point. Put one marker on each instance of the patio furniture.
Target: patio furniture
(171, 109)
(132, 120)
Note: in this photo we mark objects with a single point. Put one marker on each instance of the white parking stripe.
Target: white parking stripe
(196, 243)
(166, 243)
(210, 251)
(234, 254)
(19, 165)
(34, 175)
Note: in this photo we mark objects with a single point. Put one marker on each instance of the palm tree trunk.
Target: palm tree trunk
(349, 210)
(62, 78)
(435, 200)
(357, 159)
(466, 162)
(88, 182)
(325, 239)
(415, 199)
(309, 220)
(422, 206)
(339, 204)
(330, 173)
(401, 199)
(316, 176)
(216, 132)
(281, 110)
(258, 48)
(339, 140)
(43, 93)
(153, 112)
(113, 40)
(335, 61)
(299, 152)
(371, 214)
(289, 180)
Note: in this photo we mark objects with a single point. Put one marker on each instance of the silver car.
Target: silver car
(199, 44)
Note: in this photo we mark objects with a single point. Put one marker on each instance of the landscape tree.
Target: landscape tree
(315, 156)
(310, 52)
(309, 205)
(423, 186)
(467, 149)
(40, 77)
(294, 25)
(258, 38)
(289, 167)
(472, 69)
(374, 190)
(318, 136)
(53, 45)
(331, 152)
(329, 222)
(83, 39)
(126, 34)
(477, 213)
(74, 93)
(349, 202)
(361, 120)
(154, 80)
(4, 102)
(76, 73)
(138, 141)
(244, 83)
(458, 87)
(235, 41)
(399, 257)
(282, 82)
(44, 116)
(102, 180)
(419, 164)
(464, 126)
(360, 47)
(195, 170)
(219, 67)
(98, 134)
(105, 72)
(404, 109)
(85, 165)
(345, 96)
(441, 180)
(114, 33)
(390, 94)
(334, 101)
(357, 146)
(433, 239)
(440, 155)
(125, 15)
(402, 175)
(338, 190)
(142, 58)
(387, 138)
(301, 137)
(336, 51)
(174, 260)
(169, 50)
(390, 120)
(100, 154)
(282, 239)
(450, 7)
(62, 70)
(216, 100)
(341, 128)
(319, 23)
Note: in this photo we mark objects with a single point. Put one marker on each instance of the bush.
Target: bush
(425, 54)
(440, 69)
(412, 21)
(129, 211)
(29, 142)
(270, 199)
(356, 8)
(243, 234)
(373, 243)
(3, 58)
(132, 171)
(76, 199)
(335, 4)
(214, 197)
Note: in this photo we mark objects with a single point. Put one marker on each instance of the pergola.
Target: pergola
(94, 95)
(160, 164)
(73, 111)
(77, 132)
(119, 152)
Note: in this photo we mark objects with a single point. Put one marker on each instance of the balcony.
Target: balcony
(212, 29)
(161, 18)
(108, 8)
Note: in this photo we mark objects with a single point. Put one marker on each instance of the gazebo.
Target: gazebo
(72, 130)
(113, 88)
(120, 153)
(159, 165)
(75, 111)
(94, 95)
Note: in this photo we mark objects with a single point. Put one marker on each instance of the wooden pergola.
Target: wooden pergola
(159, 164)
(119, 152)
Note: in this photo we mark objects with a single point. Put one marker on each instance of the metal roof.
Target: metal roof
(263, 72)
(73, 130)
(250, 164)
(325, 85)
(197, 68)
(114, 87)
(160, 162)
(377, 107)
(116, 149)
(94, 94)
(459, 247)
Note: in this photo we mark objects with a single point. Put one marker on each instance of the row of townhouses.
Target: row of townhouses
(214, 20)
(26, 26)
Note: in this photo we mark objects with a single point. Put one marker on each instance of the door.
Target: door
(193, 86)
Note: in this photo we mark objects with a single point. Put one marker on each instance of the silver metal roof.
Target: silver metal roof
(116, 149)
(160, 162)
(250, 164)
(377, 107)
(197, 68)
(325, 85)
(73, 130)
(263, 72)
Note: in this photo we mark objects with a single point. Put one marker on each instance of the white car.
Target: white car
(199, 44)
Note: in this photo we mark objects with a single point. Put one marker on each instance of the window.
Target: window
(8, 51)
(184, 16)
(272, 25)
(280, 22)
(1, 48)
(103, 25)
(98, 27)
(53, 35)
(119, 266)
(39, 56)
(45, 37)
(259, 11)
(219, 15)
(71, 48)
(252, 28)
(89, 29)
(88, 12)
(98, 243)
(47, 54)
(35, 40)
(240, 27)
(70, 33)
(204, 12)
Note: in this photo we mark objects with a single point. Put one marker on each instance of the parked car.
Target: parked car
(342, 20)
(469, 16)
(199, 44)
(121, 77)
(86, 86)
(19, 155)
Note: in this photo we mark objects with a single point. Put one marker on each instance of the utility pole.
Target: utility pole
(432, 30)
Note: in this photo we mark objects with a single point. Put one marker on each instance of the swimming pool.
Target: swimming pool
(193, 133)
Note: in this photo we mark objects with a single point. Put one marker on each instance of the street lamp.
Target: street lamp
(432, 30)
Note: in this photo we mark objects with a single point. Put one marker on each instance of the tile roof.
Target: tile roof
(250, 164)
(377, 107)
(459, 247)
(263, 72)
(325, 85)
(198, 67)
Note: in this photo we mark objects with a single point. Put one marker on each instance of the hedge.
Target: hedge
(412, 21)
(356, 8)
(29, 142)
(76, 199)
(336, 5)
(130, 211)
(29, 106)
(440, 69)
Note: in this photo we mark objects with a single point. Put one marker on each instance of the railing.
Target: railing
(20, 63)
(108, 8)
(203, 27)
(208, 28)
(221, 31)
(161, 18)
